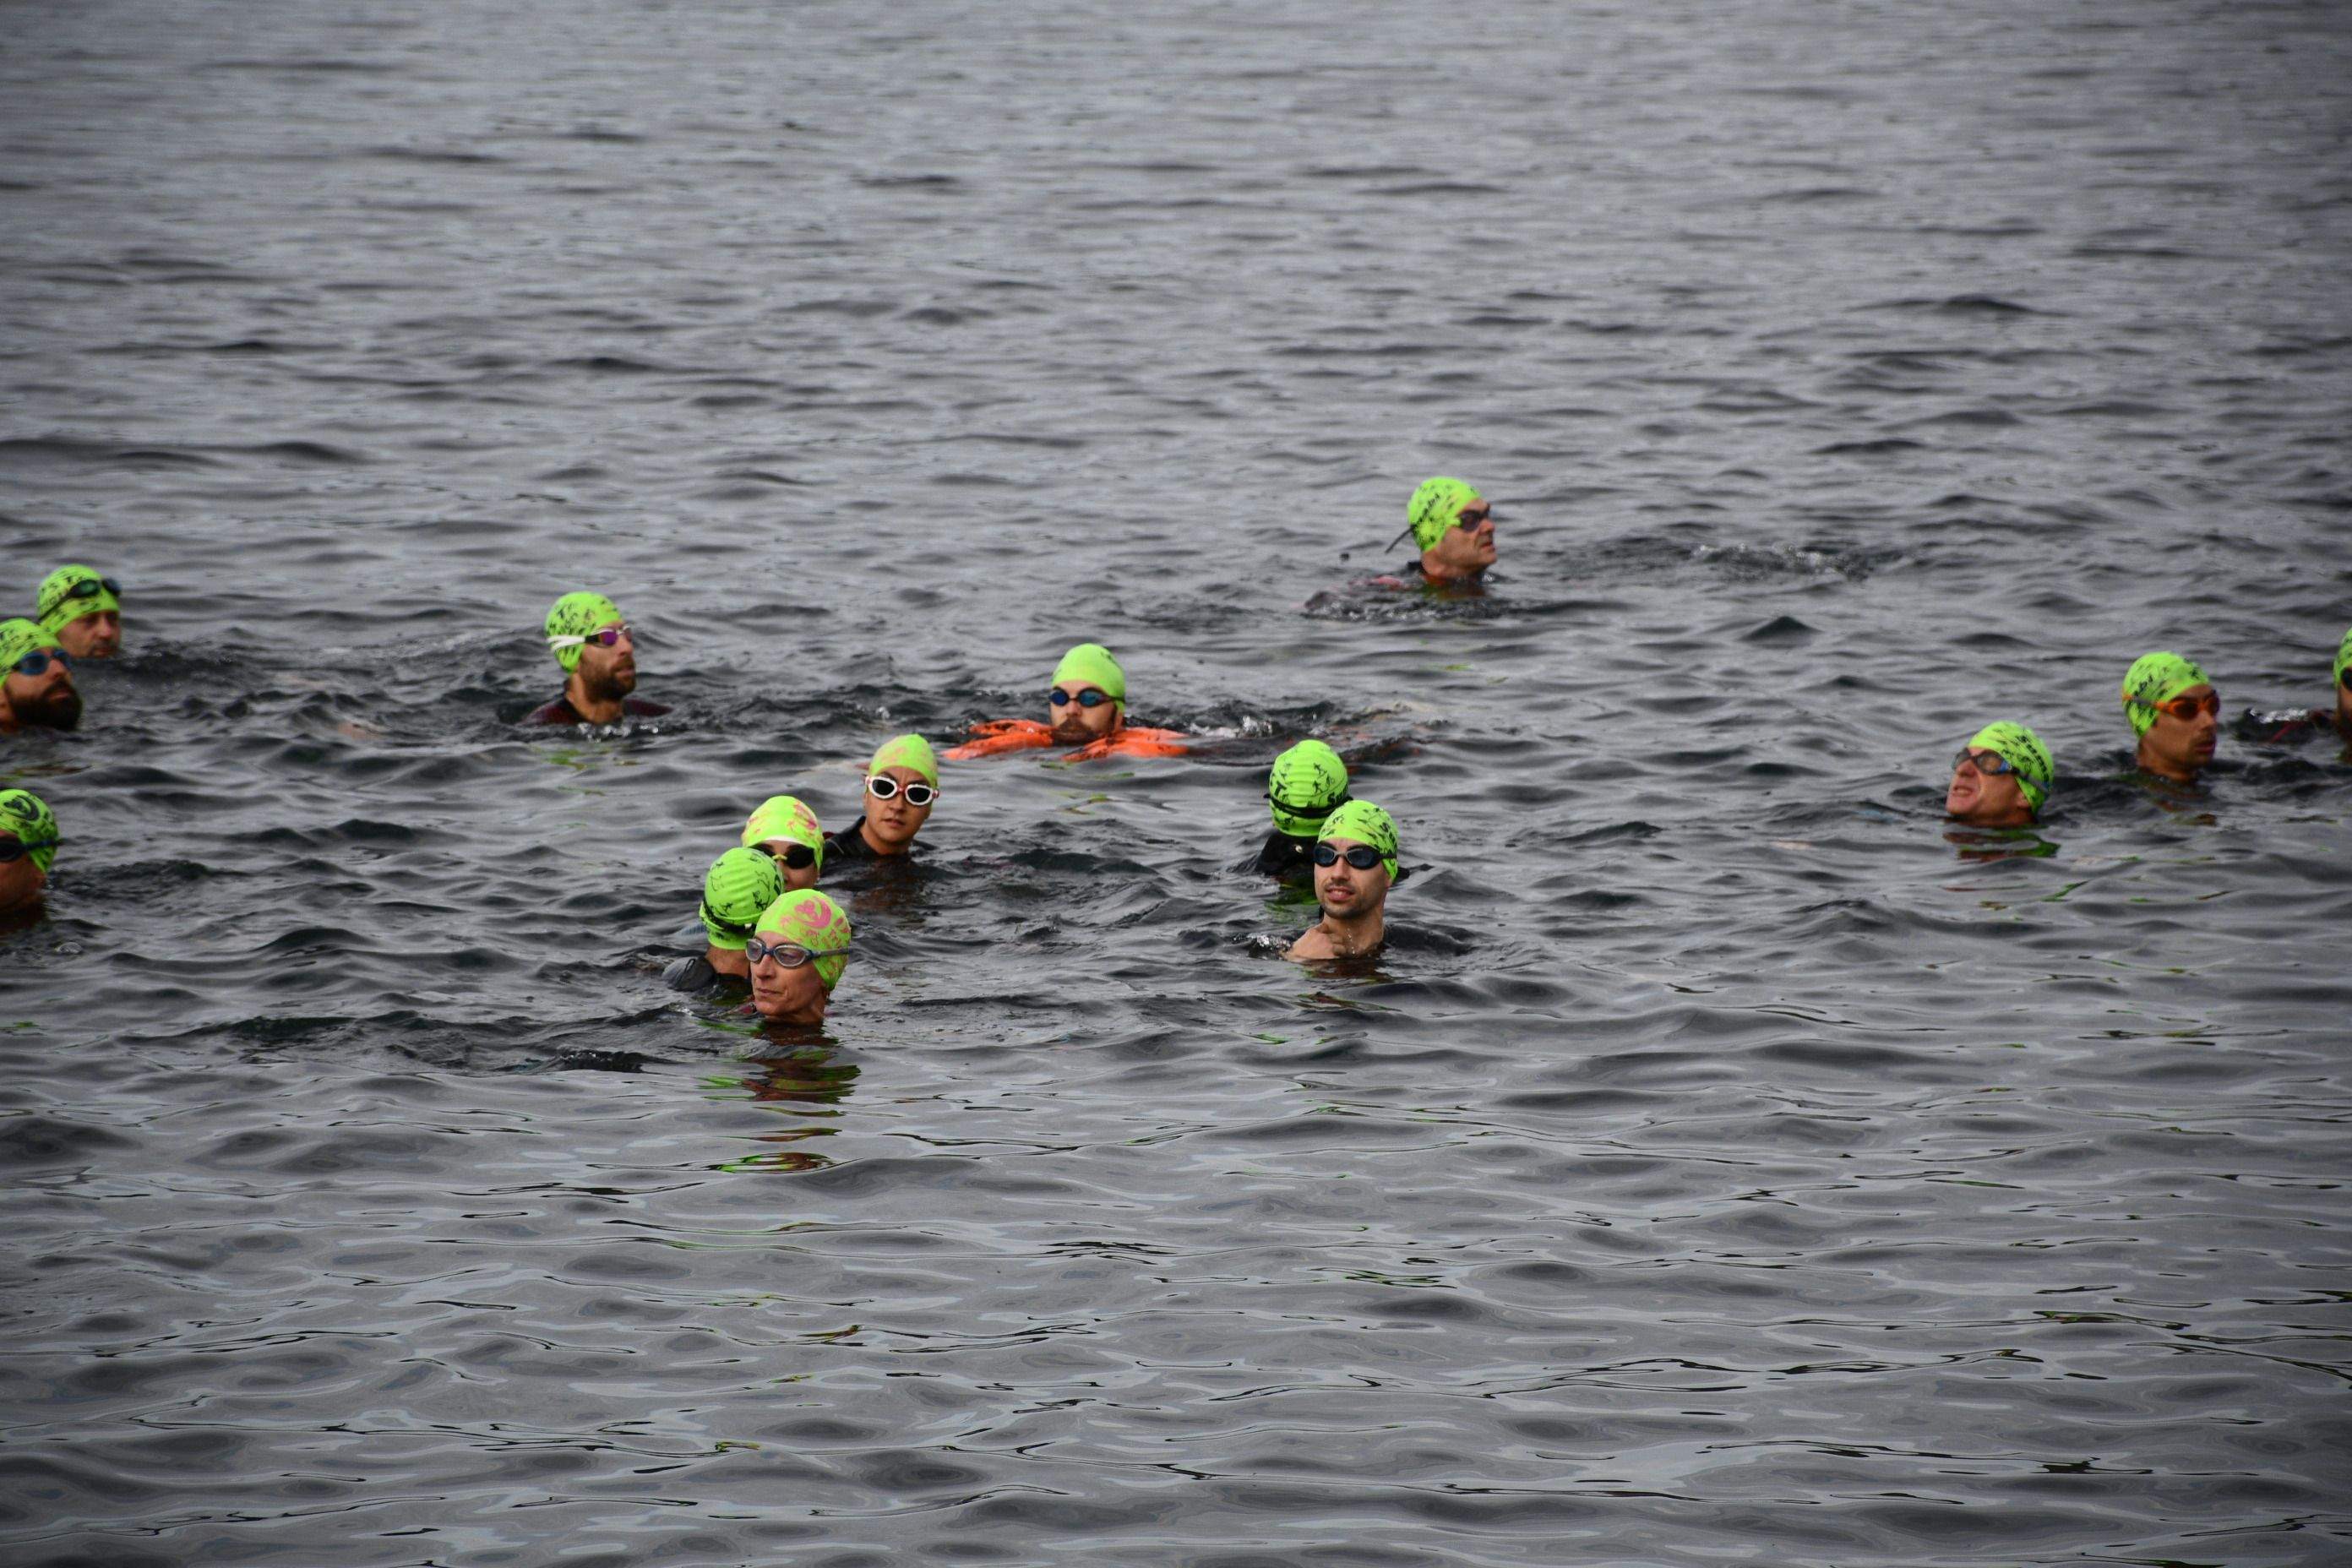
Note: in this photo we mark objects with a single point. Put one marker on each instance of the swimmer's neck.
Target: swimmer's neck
(2155, 767)
(865, 835)
(728, 961)
(591, 711)
(1356, 935)
(1436, 571)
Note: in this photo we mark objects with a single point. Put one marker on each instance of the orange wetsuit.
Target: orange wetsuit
(998, 735)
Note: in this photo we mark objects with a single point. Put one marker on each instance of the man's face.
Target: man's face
(46, 698)
(1467, 549)
(609, 672)
(893, 822)
(1347, 892)
(793, 995)
(1983, 799)
(95, 636)
(20, 879)
(1073, 723)
(2185, 745)
(795, 877)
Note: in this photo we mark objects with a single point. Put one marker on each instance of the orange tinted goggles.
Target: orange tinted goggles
(2184, 708)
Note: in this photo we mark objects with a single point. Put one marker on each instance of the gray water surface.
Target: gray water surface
(1724, 1165)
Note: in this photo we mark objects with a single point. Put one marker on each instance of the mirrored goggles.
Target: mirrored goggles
(605, 636)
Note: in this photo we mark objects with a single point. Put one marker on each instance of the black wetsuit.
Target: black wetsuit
(1288, 857)
(849, 844)
(695, 976)
(560, 711)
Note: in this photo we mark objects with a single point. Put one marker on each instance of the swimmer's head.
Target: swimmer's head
(1088, 699)
(902, 784)
(1305, 783)
(911, 752)
(1455, 528)
(2152, 679)
(36, 678)
(572, 619)
(803, 945)
(787, 829)
(1364, 823)
(27, 819)
(83, 610)
(2000, 778)
(738, 889)
(2343, 658)
(2343, 670)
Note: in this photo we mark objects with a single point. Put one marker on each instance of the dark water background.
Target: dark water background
(1723, 1166)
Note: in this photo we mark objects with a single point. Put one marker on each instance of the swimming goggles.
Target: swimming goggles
(1470, 518)
(1992, 765)
(608, 637)
(16, 850)
(1318, 809)
(37, 661)
(1089, 698)
(733, 928)
(90, 587)
(2184, 709)
(799, 857)
(787, 954)
(1363, 856)
(882, 786)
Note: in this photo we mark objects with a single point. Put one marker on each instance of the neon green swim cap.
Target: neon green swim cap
(1091, 663)
(906, 751)
(570, 620)
(28, 816)
(2023, 749)
(738, 885)
(2343, 656)
(1435, 507)
(782, 817)
(1365, 823)
(20, 637)
(808, 918)
(58, 604)
(1305, 783)
(2156, 678)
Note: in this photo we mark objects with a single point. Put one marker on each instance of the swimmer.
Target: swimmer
(736, 890)
(1305, 783)
(39, 686)
(1355, 866)
(2000, 778)
(1085, 708)
(2176, 713)
(29, 843)
(797, 954)
(787, 830)
(1454, 527)
(82, 610)
(591, 642)
(902, 784)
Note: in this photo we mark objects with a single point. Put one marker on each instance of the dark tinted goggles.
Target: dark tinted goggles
(1089, 698)
(1363, 856)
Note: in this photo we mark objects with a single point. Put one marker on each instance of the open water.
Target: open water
(1723, 1166)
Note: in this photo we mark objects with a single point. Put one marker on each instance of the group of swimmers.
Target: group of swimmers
(771, 931)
